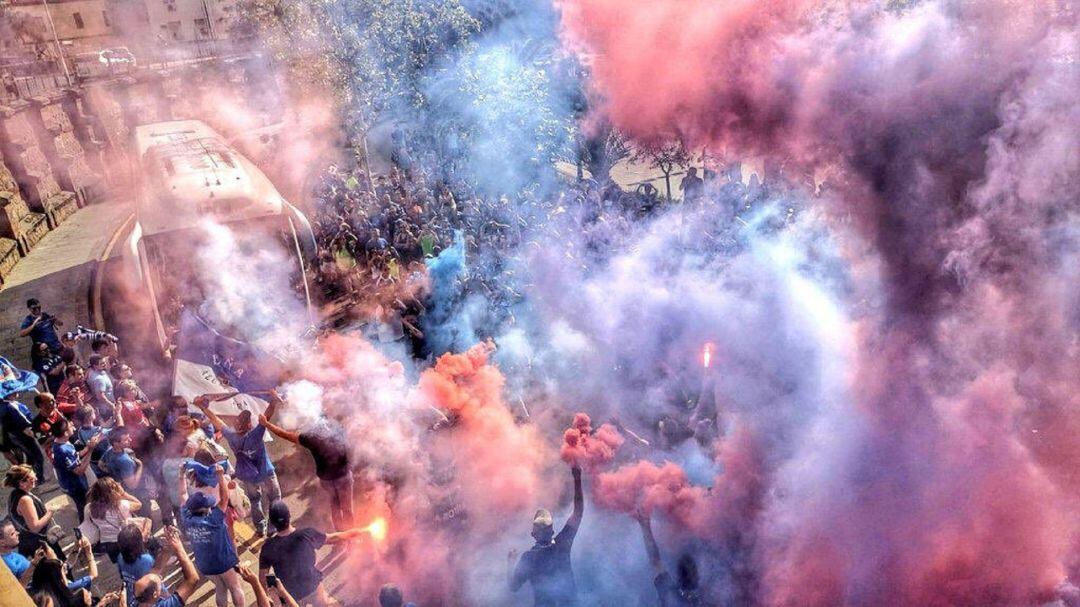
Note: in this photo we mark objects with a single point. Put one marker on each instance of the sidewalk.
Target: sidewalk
(59, 271)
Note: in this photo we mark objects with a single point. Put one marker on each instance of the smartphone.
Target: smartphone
(271, 580)
(78, 534)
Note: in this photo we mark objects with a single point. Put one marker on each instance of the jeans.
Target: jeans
(79, 497)
(267, 488)
(341, 501)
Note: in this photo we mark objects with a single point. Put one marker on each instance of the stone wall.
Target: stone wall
(17, 224)
(31, 174)
(68, 148)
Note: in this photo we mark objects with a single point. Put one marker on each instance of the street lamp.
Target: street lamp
(59, 49)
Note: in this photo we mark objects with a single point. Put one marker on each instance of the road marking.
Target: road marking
(98, 318)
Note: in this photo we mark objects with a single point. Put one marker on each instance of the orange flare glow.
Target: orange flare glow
(378, 529)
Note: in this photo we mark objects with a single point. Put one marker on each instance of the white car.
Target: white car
(117, 56)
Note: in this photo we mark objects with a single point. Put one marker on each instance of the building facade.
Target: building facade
(177, 21)
(80, 26)
(29, 29)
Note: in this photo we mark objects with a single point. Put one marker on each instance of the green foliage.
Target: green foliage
(425, 62)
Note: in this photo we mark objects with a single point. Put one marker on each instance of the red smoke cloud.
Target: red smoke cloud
(643, 487)
(497, 461)
(587, 449)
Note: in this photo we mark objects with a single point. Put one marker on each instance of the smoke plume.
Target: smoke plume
(938, 475)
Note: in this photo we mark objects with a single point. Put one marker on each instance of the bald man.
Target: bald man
(149, 589)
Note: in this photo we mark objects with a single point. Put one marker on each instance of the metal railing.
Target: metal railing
(46, 77)
(25, 87)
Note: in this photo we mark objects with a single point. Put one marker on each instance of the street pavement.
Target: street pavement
(59, 271)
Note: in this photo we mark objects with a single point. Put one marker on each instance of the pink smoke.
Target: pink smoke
(498, 461)
(945, 482)
(645, 488)
(588, 449)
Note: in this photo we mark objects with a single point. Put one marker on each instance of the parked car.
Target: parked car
(105, 62)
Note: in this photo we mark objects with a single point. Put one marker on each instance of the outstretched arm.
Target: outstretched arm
(191, 575)
(344, 536)
(579, 499)
(289, 435)
(203, 404)
(275, 401)
(249, 576)
(650, 544)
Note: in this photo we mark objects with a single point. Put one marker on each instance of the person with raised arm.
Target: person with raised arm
(681, 591)
(290, 554)
(546, 566)
(208, 534)
(325, 441)
(254, 469)
(150, 588)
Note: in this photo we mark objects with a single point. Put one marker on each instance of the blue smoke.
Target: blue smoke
(445, 329)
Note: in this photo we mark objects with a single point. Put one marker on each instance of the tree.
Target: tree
(603, 149)
(485, 94)
(667, 157)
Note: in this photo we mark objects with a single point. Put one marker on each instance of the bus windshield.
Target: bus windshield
(220, 271)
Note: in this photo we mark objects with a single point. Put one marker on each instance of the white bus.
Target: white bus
(188, 173)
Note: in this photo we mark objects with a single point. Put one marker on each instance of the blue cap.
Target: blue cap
(199, 501)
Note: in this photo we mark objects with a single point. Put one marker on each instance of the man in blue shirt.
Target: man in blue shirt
(71, 465)
(100, 384)
(84, 421)
(150, 589)
(41, 326)
(21, 567)
(208, 537)
(254, 469)
(119, 463)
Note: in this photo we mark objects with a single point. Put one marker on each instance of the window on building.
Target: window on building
(202, 28)
(78, 20)
(172, 30)
(170, 4)
(105, 17)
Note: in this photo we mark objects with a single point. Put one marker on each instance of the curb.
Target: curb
(97, 317)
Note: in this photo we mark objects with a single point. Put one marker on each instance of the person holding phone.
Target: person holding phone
(137, 558)
(290, 553)
(50, 579)
(150, 589)
(40, 326)
(71, 464)
(21, 567)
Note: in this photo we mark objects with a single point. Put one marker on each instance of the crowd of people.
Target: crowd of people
(117, 452)
(152, 481)
(375, 233)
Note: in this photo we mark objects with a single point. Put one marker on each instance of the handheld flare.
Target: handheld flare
(378, 529)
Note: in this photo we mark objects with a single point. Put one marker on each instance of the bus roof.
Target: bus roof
(190, 173)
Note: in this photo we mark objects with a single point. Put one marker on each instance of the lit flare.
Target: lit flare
(377, 529)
